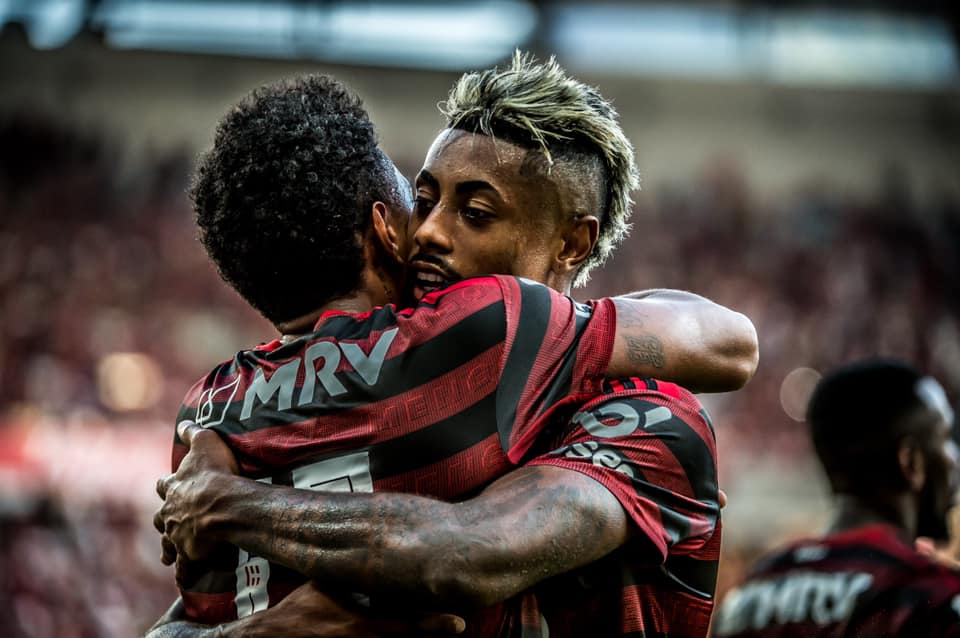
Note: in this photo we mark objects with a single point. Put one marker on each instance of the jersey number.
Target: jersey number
(347, 473)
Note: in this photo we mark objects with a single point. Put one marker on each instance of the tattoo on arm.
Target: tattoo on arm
(531, 524)
(646, 350)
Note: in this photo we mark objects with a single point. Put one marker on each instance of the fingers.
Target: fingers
(187, 431)
(723, 499)
(188, 571)
(163, 486)
(168, 551)
(158, 523)
(442, 624)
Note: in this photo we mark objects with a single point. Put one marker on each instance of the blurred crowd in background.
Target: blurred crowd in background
(110, 311)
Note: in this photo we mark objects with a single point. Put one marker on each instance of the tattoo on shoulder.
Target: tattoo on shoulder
(646, 349)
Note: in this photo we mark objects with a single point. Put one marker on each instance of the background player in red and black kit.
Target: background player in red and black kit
(883, 433)
(687, 514)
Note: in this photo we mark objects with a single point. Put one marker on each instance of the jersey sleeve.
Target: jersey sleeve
(556, 355)
(657, 455)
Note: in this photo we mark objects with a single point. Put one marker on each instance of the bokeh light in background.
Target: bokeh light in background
(795, 392)
(129, 381)
(799, 164)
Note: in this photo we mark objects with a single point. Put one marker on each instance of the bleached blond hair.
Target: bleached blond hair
(539, 106)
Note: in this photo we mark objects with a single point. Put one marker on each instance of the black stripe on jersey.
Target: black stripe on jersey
(434, 443)
(695, 577)
(685, 443)
(350, 327)
(414, 368)
(564, 379)
(532, 327)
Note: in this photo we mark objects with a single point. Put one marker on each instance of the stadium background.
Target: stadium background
(799, 163)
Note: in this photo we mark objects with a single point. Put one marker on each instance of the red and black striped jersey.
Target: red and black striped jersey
(652, 445)
(436, 400)
(864, 582)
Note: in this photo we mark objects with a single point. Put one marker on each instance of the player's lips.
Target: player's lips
(426, 277)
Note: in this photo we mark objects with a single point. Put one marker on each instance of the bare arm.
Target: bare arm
(684, 338)
(531, 524)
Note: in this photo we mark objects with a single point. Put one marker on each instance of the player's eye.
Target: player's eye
(422, 205)
(477, 216)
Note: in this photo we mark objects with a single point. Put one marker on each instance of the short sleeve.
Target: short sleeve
(657, 455)
(557, 353)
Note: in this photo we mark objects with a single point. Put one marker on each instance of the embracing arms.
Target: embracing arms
(529, 525)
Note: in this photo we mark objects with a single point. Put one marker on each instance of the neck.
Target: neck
(853, 511)
(357, 302)
(561, 283)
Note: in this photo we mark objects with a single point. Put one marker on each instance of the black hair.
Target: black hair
(858, 414)
(284, 196)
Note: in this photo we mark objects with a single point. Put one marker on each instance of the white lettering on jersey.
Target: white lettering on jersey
(821, 598)
(600, 420)
(253, 574)
(283, 381)
(810, 553)
(606, 457)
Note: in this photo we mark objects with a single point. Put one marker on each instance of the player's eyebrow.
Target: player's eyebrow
(471, 186)
(426, 176)
(462, 188)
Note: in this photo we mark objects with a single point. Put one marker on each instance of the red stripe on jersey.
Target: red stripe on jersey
(211, 609)
(269, 346)
(671, 389)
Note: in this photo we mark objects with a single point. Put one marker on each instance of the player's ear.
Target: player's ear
(579, 238)
(912, 463)
(385, 232)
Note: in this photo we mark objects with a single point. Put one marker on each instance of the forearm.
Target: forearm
(685, 338)
(529, 526)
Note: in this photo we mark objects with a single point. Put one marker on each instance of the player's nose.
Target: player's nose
(433, 234)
